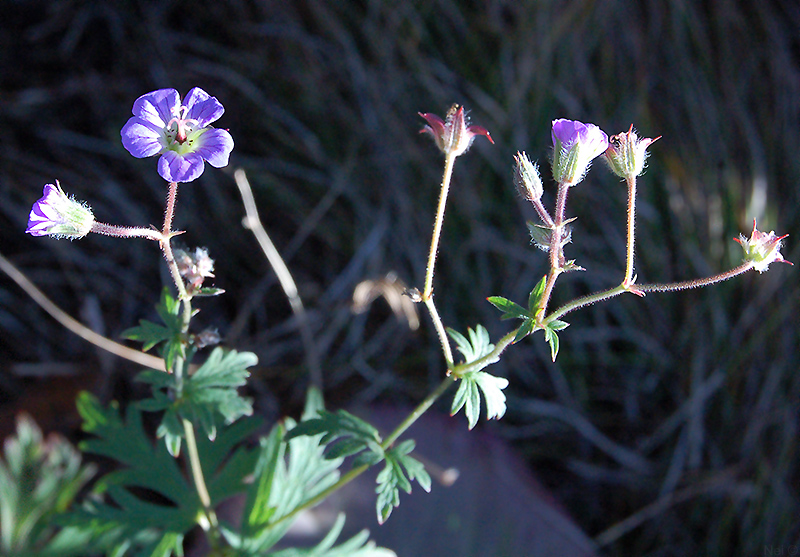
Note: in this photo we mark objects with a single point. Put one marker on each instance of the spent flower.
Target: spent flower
(761, 248)
(59, 216)
(575, 146)
(627, 153)
(179, 132)
(453, 135)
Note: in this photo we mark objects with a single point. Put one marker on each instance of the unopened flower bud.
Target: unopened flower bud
(59, 216)
(526, 178)
(575, 146)
(761, 248)
(627, 153)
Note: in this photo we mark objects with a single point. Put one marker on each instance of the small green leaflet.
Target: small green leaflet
(152, 334)
(512, 310)
(398, 473)
(551, 337)
(343, 433)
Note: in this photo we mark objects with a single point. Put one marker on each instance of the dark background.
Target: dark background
(322, 100)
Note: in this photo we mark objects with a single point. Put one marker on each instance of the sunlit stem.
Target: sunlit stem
(440, 330)
(696, 283)
(642, 289)
(631, 225)
(180, 362)
(125, 231)
(556, 253)
(437, 226)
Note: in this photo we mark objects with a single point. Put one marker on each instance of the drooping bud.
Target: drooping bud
(59, 216)
(761, 248)
(575, 146)
(627, 153)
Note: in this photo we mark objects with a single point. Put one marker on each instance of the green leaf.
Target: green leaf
(468, 396)
(476, 347)
(39, 479)
(208, 397)
(536, 296)
(343, 433)
(148, 502)
(511, 310)
(151, 334)
(357, 546)
(400, 470)
(551, 337)
(524, 330)
(283, 483)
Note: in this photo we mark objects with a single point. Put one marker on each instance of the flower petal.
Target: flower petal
(157, 106)
(174, 167)
(215, 147)
(142, 138)
(202, 107)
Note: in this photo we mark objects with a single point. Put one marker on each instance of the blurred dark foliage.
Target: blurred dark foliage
(678, 412)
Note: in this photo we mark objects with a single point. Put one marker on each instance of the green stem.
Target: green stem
(696, 283)
(556, 251)
(440, 330)
(491, 357)
(180, 363)
(437, 226)
(199, 480)
(631, 225)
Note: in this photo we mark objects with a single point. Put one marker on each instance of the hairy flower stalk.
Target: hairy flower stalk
(454, 137)
(575, 146)
(626, 155)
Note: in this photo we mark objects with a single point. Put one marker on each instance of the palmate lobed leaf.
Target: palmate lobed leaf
(478, 345)
(209, 396)
(468, 396)
(152, 527)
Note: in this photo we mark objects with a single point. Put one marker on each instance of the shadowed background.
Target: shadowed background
(679, 410)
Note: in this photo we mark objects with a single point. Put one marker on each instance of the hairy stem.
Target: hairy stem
(437, 226)
(440, 330)
(631, 180)
(180, 363)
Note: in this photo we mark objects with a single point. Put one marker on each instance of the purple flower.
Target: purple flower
(453, 135)
(575, 146)
(60, 216)
(180, 133)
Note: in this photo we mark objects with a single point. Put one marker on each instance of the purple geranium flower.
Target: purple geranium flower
(59, 216)
(575, 145)
(180, 133)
